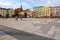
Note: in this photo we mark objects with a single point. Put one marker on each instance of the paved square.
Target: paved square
(45, 26)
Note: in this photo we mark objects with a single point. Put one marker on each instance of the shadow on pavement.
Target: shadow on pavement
(21, 35)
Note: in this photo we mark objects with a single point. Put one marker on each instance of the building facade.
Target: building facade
(55, 11)
(45, 12)
(37, 11)
(11, 12)
(4, 12)
(1, 11)
(29, 13)
(42, 11)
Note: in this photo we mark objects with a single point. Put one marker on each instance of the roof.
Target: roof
(19, 9)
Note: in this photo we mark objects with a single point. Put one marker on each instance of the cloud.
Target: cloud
(28, 3)
(32, 1)
(5, 3)
(47, 2)
(53, 2)
(25, 5)
(8, 4)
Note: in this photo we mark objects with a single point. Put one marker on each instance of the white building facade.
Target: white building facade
(4, 12)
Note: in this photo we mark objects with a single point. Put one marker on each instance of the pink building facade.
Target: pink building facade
(55, 11)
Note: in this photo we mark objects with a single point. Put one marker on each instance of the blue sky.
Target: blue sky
(28, 3)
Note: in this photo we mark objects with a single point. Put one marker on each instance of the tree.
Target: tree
(16, 13)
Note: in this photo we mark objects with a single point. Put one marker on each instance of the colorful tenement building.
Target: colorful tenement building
(42, 11)
(28, 11)
(55, 11)
(4, 11)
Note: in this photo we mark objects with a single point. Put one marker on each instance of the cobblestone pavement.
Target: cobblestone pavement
(4, 36)
(20, 35)
(45, 27)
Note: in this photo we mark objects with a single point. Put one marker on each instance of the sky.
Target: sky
(28, 4)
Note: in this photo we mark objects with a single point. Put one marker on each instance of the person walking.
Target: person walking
(16, 18)
(21, 17)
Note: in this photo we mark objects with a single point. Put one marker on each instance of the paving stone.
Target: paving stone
(28, 25)
(4, 36)
(51, 31)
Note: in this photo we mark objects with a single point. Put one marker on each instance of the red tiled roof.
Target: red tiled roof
(19, 9)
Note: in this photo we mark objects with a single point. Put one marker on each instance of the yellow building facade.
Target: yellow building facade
(45, 11)
(42, 11)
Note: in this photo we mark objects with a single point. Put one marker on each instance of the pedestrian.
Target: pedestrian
(16, 18)
(21, 17)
